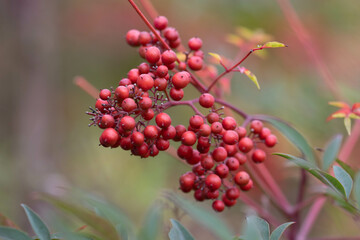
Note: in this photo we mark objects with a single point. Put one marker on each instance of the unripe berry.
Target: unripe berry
(218, 205)
(127, 123)
(176, 94)
(258, 156)
(105, 94)
(229, 123)
(206, 100)
(232, 163)
(163, 120)
(270, 140)
(188, 138)
(181, 79)
(152, 55)
(160, 22)
(109, 137)
(195, 43)
(246, 144)
(230, 137)
(151, 132)
(128, 104)
(242, 178)
(107, 121)
(216, 127)
(256, 126)
(168, 57)
(195, 63)
(137, 138)
(232, 193)
(132, 37)
(222, 170)
(213, 182)
(219, 154)
(196, 121)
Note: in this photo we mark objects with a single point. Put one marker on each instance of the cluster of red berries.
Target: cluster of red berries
(133, 118)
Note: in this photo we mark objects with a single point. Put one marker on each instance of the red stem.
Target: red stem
(149, 8)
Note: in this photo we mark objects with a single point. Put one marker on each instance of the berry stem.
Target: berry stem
(227, 70)
(189, 103)
(133, 4)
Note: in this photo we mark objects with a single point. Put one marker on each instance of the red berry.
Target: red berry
(182, 66)
(213, 182)
(187, 180)
(230, 137)
(162, 144)
(256, 126)
(222, 170)
(228, 202)
(264, 133)
(163, 120)
(145, 103)
(133, 75)
(160, 22)
(199, 196)
(151, 132)
(101, 105)
(105, 94)
(206, 100)
(153, 150)
(195, 43)
(109, 137)
(229, 123)
(176, 94)
(132, 37)
(207, 162)
(196, 158)
(241, 158)
(232, 163)
(181, 79)
(212, 194)
(196, 121)
(107, 121)
(246, 144)
(137, 138)
(128, 104)
(248, 186)
(205, 130)
(168, 133)
(230, 149)
(125, 143)
(188, 138)
(144, 68)
(121, 92)
(168, 57)
(198, 169)
(175, 43)
(180, 129)
(242, 178)
(143, 150)
(152, 55)
(160, 84)
(219, 154)
(162, 71)
(213, 117)
(232, 193)
(171, 34)
(195, 63)
(241, 131)
(144, 38)
(148, 114)
(185, 152)
(270, 140)
(199, 53)
(258, 156)
(124, 82)
(127, 123)
(216, 127)
(218, 205)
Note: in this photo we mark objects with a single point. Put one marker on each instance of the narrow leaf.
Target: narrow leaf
(291, 134)
(354, 116)
(347, 168)
(102, 226)
(179, 232)
(339, 104)
(347, 123)
(70, 235)
(357, 188)
(344, 178)
(333, 183)
(273, 44)
(342, 202)
(331, 151)
(250, 75)
(261, 225)
(205, 217)
(276, 234)
(13, 234)
(37, 224)
(216, 56)
(152, 223)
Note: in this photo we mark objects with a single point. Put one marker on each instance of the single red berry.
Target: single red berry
(229, 123)
(153, 150)
(196, 158)
(218, 205)
(160, 84)
(256, 126)
(152, 55)
(181, 79)
(180, 129)
(163, 120)
(176, 94)
(207, 162)
(105, 94)
(144, 68)
(199, 53)
(213, 117)
(145, 103)
(258, 156)
(127, 123)
(232, 163)
(101, 105)
(109, 137)
(160, 22)
(151, 132)
(188, 138)
(264, 133)
(133, 75)
(228, 202)
(204, 141)
(241, 131)
(213, 182)
(128, 104)
(216, 127)
(230, 149)
(171, 34)
(222, 170)
(145, 82)
(195, 43)
(187, 180)
(270, 140)
(148, 114)
(241, 158)
(182, 66)
(125, 143)
(196, 121)
(205, 130)
(198, 170)
(162, 144)
(219, 154)
(168, 133)
(242, 178)
(121, 92)
(248, 186)
(246, 144)
(195, 63)
(175, 43)
(199, 196)
(230, 137)
(137, 138)
(212, 194)
(132, 37)
(107, 121)
(206, 100)
(144, 38)
(124, 82)
(143, 150)
(185, 152)
(232, 193)
(168, 57)
(162, 71)
(142, 50)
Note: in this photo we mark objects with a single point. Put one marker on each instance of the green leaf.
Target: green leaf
(37, 224)
(13, 234)
(261, 225)
(276, 234)
(70, 235)
(344, 178)
(333, 183)
(274, 44)
(205, 217)
(291, 134)
(347, 123)
(342, 202)
(347, 168)
(101, 226)
(331, 151)
(252, 77)
(357, 188)
(179, 232)
(152, 223)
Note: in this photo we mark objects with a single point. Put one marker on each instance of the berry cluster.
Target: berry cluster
(133, 118)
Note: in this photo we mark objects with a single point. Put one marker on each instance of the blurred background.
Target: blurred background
(44, 138)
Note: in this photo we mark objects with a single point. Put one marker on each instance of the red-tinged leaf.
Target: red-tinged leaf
(273, 44)
(347, 123)
(356, 109)
(338, 114)
(4, 221)
(354, 116)
(339, 104)
(249, 75)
